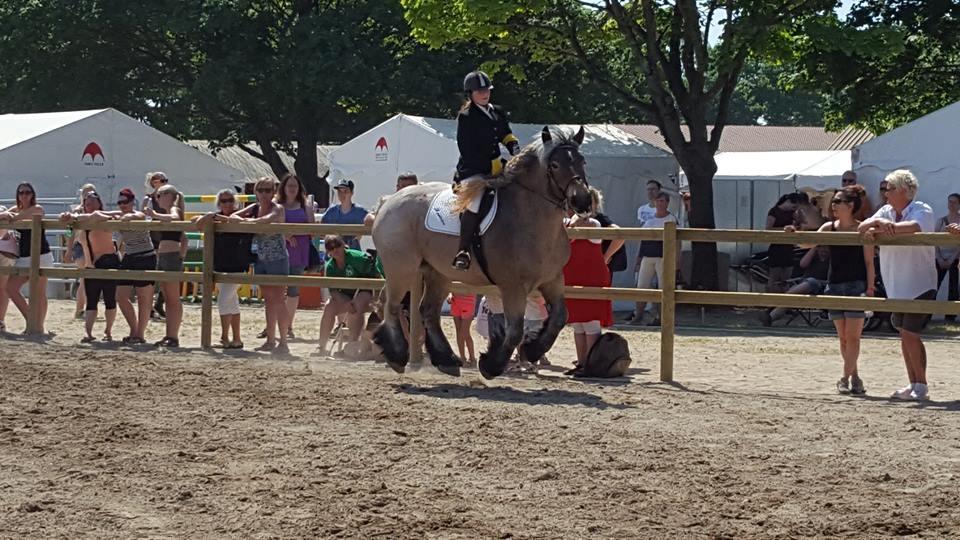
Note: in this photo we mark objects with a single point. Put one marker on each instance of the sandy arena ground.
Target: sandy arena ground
(107, 441)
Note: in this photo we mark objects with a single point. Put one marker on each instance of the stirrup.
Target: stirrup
(462, 260)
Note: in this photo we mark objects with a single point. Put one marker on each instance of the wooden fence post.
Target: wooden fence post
(668, 300)
(416, 323)
(34, 322)
(206, 302)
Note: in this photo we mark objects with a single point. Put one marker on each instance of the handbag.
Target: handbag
(9, 244)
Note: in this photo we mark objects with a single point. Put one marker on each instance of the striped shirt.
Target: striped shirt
(136, 242)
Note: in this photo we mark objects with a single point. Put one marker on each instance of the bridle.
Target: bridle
(560, 201)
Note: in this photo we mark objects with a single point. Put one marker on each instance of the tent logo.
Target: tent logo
(93, 155)
(380, 149)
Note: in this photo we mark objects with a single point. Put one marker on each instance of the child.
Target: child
(462, 307)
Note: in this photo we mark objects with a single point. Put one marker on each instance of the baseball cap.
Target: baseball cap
(344, 183)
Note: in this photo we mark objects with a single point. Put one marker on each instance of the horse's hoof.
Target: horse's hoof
(397, 366)
(490, 368)
(449, 369)
(532, 351)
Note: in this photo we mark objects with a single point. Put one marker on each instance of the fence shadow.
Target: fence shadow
(506, 394)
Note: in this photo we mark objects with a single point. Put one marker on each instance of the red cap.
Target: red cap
(127, 193)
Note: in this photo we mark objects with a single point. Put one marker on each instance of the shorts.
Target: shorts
(591, 327)
(170, 262)
(846, 288)
(294, 292)
(278, 267)
(7, 261)
(463, 306)
(228, 299)
(913, 322)
(46, 259)
(817, 286)
(137, 261)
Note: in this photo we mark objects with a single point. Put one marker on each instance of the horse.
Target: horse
(526, 248)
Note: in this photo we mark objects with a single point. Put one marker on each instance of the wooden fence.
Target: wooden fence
(668, 295)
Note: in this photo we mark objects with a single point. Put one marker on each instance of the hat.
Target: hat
(344, 183)
(127, 193)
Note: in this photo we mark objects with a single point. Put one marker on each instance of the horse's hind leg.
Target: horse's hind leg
(494, 362)
(435, 291)
(536, 345)
(389, 335)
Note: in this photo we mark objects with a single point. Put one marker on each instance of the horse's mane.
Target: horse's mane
(531, 158)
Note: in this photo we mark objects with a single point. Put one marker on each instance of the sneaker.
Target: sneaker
(857, 387)
(903, 393)
(843, 386)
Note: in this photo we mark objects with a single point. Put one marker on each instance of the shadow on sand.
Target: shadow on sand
(506, 394)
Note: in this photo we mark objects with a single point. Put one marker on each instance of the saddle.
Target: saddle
(442, 218)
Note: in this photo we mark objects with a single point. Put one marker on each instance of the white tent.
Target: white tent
(617, 162)
(59, 152)
(748, 184)
(927, 146)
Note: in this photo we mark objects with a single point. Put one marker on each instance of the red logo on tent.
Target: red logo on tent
(381, 144)
(90, 153)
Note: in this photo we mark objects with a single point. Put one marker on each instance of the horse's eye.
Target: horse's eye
(554, 165)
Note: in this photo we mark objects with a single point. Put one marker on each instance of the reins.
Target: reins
(561, 201)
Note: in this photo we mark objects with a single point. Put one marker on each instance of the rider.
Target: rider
(481, 128)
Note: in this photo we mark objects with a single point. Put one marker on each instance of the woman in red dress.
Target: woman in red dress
(587, 268)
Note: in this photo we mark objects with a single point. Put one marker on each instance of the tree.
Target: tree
(768, 93)
(889, 62)
(657, 56)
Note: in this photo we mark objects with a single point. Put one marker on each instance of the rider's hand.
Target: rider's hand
(790, 228)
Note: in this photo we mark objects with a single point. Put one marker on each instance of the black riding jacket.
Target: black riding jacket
(479, 138)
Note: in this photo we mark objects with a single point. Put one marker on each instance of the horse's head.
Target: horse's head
(565, 167)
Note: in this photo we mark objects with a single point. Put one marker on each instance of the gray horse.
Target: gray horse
(526, 248)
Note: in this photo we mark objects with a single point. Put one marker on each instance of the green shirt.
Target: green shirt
(356, 264)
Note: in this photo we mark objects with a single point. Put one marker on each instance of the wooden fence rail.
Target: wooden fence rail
(668, 296)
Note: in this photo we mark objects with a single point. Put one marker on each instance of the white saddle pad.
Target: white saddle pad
(442, 219)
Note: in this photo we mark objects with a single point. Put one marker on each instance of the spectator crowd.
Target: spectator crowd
(908, 272)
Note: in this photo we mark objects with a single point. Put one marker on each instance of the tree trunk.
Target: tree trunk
(306, 166)
(700, 166)
(270, 155)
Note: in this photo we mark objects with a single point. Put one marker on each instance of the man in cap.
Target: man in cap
(345, 213)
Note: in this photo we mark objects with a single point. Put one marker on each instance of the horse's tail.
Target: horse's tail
(466, 191)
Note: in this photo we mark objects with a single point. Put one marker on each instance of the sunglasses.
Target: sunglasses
(887, 189)
(227, 201)
(264, 190)
(124, 201)
(839, 201)
(25, 192)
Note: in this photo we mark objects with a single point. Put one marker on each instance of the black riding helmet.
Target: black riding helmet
(476, 80)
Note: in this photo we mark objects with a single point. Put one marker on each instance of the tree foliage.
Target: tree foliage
(887, 63)
(657, 56)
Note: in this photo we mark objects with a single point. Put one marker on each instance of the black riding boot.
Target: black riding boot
(469, 223)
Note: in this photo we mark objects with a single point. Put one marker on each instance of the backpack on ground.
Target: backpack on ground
(609, 357)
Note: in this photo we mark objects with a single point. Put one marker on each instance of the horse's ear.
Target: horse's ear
(578, 138)
(545, 135)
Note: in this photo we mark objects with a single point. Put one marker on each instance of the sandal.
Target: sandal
(107, 338)
(167, 342)
(266, 347)
(130, 340)
(88, 339)
(283, 348)
(262, 334)
(236, 345)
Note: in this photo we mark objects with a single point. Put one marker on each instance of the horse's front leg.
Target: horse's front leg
(536, 345)
(494, 362)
